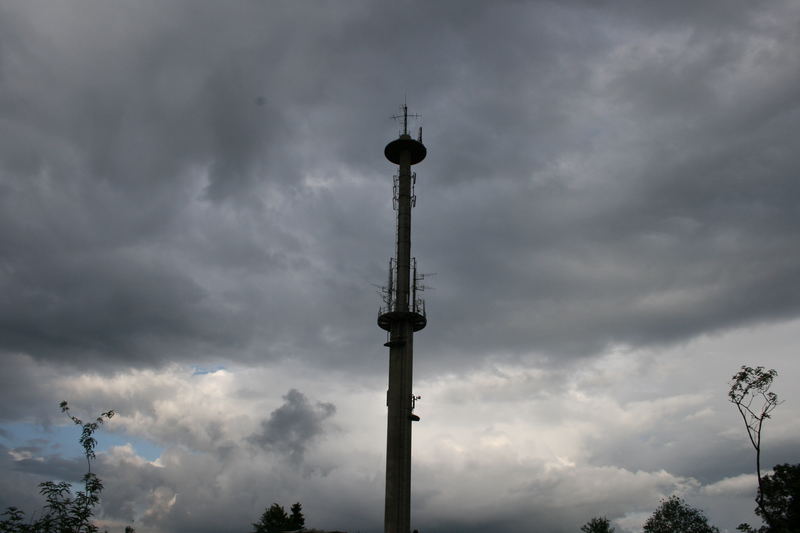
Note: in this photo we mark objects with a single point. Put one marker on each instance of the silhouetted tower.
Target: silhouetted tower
(402, 315)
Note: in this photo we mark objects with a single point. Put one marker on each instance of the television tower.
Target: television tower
(402, 314)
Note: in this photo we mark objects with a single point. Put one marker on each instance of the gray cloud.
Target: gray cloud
(51, 467)
(293, 426)
(123, 229)
(195, 183)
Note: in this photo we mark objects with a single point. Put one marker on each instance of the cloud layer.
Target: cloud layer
(609, 203)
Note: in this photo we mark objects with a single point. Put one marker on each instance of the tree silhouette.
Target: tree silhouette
(674, 515)
(780, 496)
(597, 525)
(63, 511)
(297, 520)
(751, 395)
(274, 519)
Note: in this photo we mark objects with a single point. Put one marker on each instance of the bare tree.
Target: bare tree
(751, 395)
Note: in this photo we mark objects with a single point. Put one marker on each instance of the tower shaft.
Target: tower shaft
(397, 515)
(403, 252)
(401, 318)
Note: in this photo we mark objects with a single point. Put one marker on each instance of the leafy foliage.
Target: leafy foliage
(674, 515)
(297, 520)
(750, 393)
(780, 495)
(597, 525)
(87, 439)
(64, 512)
(752, 386)
(274, 519)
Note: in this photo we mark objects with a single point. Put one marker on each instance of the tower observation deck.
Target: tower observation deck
(403, 314)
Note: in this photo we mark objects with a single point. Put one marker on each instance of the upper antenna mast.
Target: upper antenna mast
(405, 116)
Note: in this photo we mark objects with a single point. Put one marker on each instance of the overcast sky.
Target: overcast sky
(195, 210)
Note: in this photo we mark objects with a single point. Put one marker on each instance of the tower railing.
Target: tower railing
(388, 292)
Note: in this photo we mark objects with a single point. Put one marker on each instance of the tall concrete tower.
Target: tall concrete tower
(403, 314)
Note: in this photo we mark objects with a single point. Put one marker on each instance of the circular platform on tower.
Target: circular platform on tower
(395, 149)
(417, 320)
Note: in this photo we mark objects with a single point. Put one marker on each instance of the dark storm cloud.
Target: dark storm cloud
(203, 183)
(126, 189)
(16, 487)
(694, 459)
(293, 426)
(102, 253)
(98, 173)
(103, 306)
(25, 466)
(657, 244)
(51, 467)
